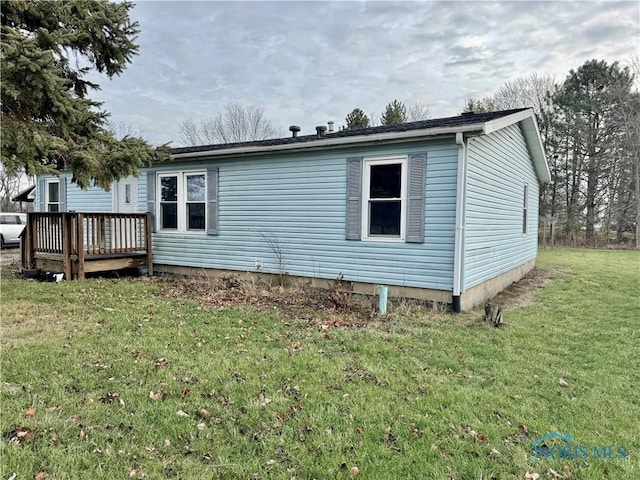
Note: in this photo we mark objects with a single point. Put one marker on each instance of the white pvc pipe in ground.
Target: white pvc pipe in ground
(382, 300)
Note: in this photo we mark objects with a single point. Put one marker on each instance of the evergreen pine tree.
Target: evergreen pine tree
(357, 120)
(394, 114)
(48, 121)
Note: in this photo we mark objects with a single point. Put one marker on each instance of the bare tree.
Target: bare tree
(121, 130)
(482, 105)
(629, 117)
(236, 123)
(418, 111)
(10, 184)
(530, 91)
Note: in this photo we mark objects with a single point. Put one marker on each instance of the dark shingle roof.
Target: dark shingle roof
(460, 120)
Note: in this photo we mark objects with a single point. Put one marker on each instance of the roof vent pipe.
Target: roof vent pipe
(321, 130)
(331, 123)
(294, 129)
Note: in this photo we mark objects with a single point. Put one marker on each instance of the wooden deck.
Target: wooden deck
(77, 243)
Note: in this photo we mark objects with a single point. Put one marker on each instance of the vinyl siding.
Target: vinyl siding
(93, 199)
(298, 201)
(499, 165)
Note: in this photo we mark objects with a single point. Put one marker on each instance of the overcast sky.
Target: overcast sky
(307, 63)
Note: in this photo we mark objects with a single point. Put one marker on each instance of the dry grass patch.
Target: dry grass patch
(338, 306)
(523, 292)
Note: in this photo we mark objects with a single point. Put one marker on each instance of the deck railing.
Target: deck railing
(76, 236)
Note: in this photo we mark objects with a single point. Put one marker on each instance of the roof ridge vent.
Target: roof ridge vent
(294, 129)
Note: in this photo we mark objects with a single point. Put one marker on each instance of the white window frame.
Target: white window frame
(47, 202)
(525, 209)
(181, 202)
(366, 184)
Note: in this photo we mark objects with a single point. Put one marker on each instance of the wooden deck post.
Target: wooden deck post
(80, 244)
(147, 242)
(30, 241)
(66, 244)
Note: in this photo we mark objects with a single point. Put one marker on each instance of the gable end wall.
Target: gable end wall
(498, 166)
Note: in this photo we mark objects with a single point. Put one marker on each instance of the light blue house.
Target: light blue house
(443, 210)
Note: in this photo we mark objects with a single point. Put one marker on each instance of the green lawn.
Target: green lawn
(109, 379)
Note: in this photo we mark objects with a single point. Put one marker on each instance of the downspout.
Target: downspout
(459, 234)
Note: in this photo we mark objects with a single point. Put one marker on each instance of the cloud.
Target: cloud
(309, 62)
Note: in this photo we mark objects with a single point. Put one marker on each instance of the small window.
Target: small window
(53, 196)
(183, 202)
(127, 194)
(384, 198)
(525, 207)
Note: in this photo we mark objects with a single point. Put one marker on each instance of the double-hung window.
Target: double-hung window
(52, 193)
(182, 201)
(384, 198)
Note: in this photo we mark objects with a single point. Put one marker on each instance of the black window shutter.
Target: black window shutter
(151, 197)
(354, 198)
(212, 201)
(415, 197)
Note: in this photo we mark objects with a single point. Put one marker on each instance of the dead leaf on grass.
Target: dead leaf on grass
(518, 437)
(531, 476)
(41, 475)
(553, 475)
(157, 396)
(262, 400)
(160, 362)
(182, 414)
(19, 434)
(109, 397)
(493, 453)
(31, 412)
(566, 471)
(203, 414)
(563, 383)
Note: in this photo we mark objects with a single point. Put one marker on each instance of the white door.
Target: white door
(125, 233)
(125, 192)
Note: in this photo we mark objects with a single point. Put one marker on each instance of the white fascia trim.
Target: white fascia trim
(329, 142)
(532, 137)
(500, 123)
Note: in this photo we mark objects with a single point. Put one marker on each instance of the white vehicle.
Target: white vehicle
(11, 226)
